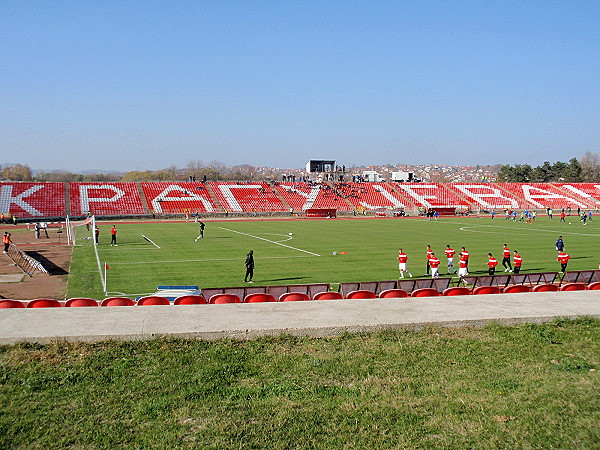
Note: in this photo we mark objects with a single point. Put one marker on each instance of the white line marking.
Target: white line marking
(150, 240)
(272, 242)
(533, 229)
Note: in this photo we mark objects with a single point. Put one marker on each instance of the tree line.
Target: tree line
(584, 169)
(194, 170)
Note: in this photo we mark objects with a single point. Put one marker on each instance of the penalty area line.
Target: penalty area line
(272, 242)
(150, 240)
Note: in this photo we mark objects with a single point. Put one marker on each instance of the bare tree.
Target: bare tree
(590, 167)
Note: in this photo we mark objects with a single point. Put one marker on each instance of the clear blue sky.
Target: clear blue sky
(134, 85)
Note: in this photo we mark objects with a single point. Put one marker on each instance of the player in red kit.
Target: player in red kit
(506, 259)
(563, 258)
(402, 262)
(450, 255)
(434, 263)
(492, 263)
(517, 261)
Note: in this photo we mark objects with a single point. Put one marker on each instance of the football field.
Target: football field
(300, 251)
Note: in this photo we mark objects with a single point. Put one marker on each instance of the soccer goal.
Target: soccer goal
(76, 235)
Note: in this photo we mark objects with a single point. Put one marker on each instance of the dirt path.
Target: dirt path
(54, 254)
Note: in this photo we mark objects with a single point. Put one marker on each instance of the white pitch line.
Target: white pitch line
(272, 242)
(205, 260)
(534, 230)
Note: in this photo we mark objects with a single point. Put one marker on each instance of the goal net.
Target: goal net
(80, 232)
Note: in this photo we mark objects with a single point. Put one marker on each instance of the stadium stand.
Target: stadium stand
(488, 196)
(247, 197)
(24, 199)
(46, 200)
(541, 196)
(431, 195)
(105, 199)
(586, 192)
(178, 198)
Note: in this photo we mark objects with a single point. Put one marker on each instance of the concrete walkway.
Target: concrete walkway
(313, 318)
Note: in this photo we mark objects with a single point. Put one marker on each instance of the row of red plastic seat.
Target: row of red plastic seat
(294, 296)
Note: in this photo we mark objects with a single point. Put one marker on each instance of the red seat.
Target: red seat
(545, 288)
(43, 303)
(219, 299)
(328, 296)
(190, 300)
(259, 298)
(117, 301)
(425, 292)
(594, 286)
(515, 288)
(459, 290)
(482, 290)
(81, 302)
(361, 294)
(573, 287)
(11, 304)
(294, 297)
(153, 300)
(393, 293)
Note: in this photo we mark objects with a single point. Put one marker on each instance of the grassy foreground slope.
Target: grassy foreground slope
(529, 386)
(365, 250)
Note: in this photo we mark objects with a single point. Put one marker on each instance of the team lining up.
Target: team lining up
(433, 262)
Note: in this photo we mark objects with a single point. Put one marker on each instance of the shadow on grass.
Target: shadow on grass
(52, 268)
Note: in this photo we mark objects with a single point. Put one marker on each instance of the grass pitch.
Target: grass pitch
(528, 386)
(334, 251)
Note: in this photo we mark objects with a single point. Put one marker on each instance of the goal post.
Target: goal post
(76, 234)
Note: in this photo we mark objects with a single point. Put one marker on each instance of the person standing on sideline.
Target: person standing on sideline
(563, 259)
(402, 261)
(464, 256)
(6, 241)
(506, 259)
(450, 255)
(96, 233)
(249, 267)
(492, 263)
(37, 230)
(202, 230)
(113, 235)
(434, 263)
(517, 261)
(560, 245)
(429, 253)
(493, 214)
